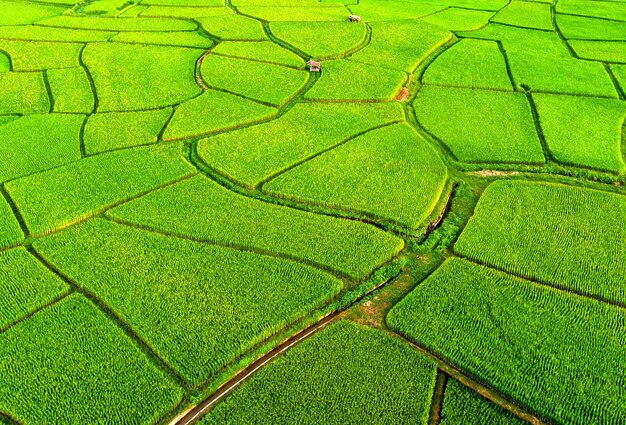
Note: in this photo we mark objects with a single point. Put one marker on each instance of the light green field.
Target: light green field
(183, 199)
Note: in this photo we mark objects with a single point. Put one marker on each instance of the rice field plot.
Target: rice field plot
(390, 173)
(39, 33)
(201, 209)
(263, 51)
(558, 355)
(401, 45)
(109, 24)
(132, 77)
(79, 368)
(38, 142)
(251, 79)
(208, 304)
(181, 191)
(12, 13)
(585, 28)
(321, 40)
(583, 131)
(255, 154)
(71, 90)
(94, 184)
(117, 130)
(177, 39)
(23, 93)
(177, 9)
(602, 51)
(481, 126)
(41, 55)
(458, 19)
(461, 405)
(526, 15)
(569, 237)
(471, 63)
(346, 373)
(373, 11)
(354, 81)
(233, 27)
(293, 13)
(25, 286)
(214, 111)
(603, 9)
(539, 61)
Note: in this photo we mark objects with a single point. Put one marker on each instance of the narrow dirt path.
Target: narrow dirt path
(197, 412)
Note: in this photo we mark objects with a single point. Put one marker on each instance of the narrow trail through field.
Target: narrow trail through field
(197, 412)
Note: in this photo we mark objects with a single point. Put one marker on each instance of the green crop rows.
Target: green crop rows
(531, 341)
(199, 226)
(346, 363)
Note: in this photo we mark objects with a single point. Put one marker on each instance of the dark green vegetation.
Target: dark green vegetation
(346, 373)
(536, 344)
(182, 200)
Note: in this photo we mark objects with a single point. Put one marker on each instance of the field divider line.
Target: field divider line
(619, 21)
(555, 25)
(92, 83)
(70, 290)
(46, 82)
(555, 286)
(200, 410)
(116, 319)
(16, 212)
(230, 385)
(198, 71)
(474, 384)
(232, 246)
(436, 402)
(8, 55)
(166, 124)
(507, 64)
(5, 417)
(224, 55)
(537, 122)
(521, 27)
(81, 137)
(618, 88)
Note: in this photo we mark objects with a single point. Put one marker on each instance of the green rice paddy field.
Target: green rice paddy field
(197, 227)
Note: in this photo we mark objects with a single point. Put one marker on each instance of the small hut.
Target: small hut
(314, 66)
(354, 18)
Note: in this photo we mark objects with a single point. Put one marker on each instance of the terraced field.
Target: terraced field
(196, 226)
